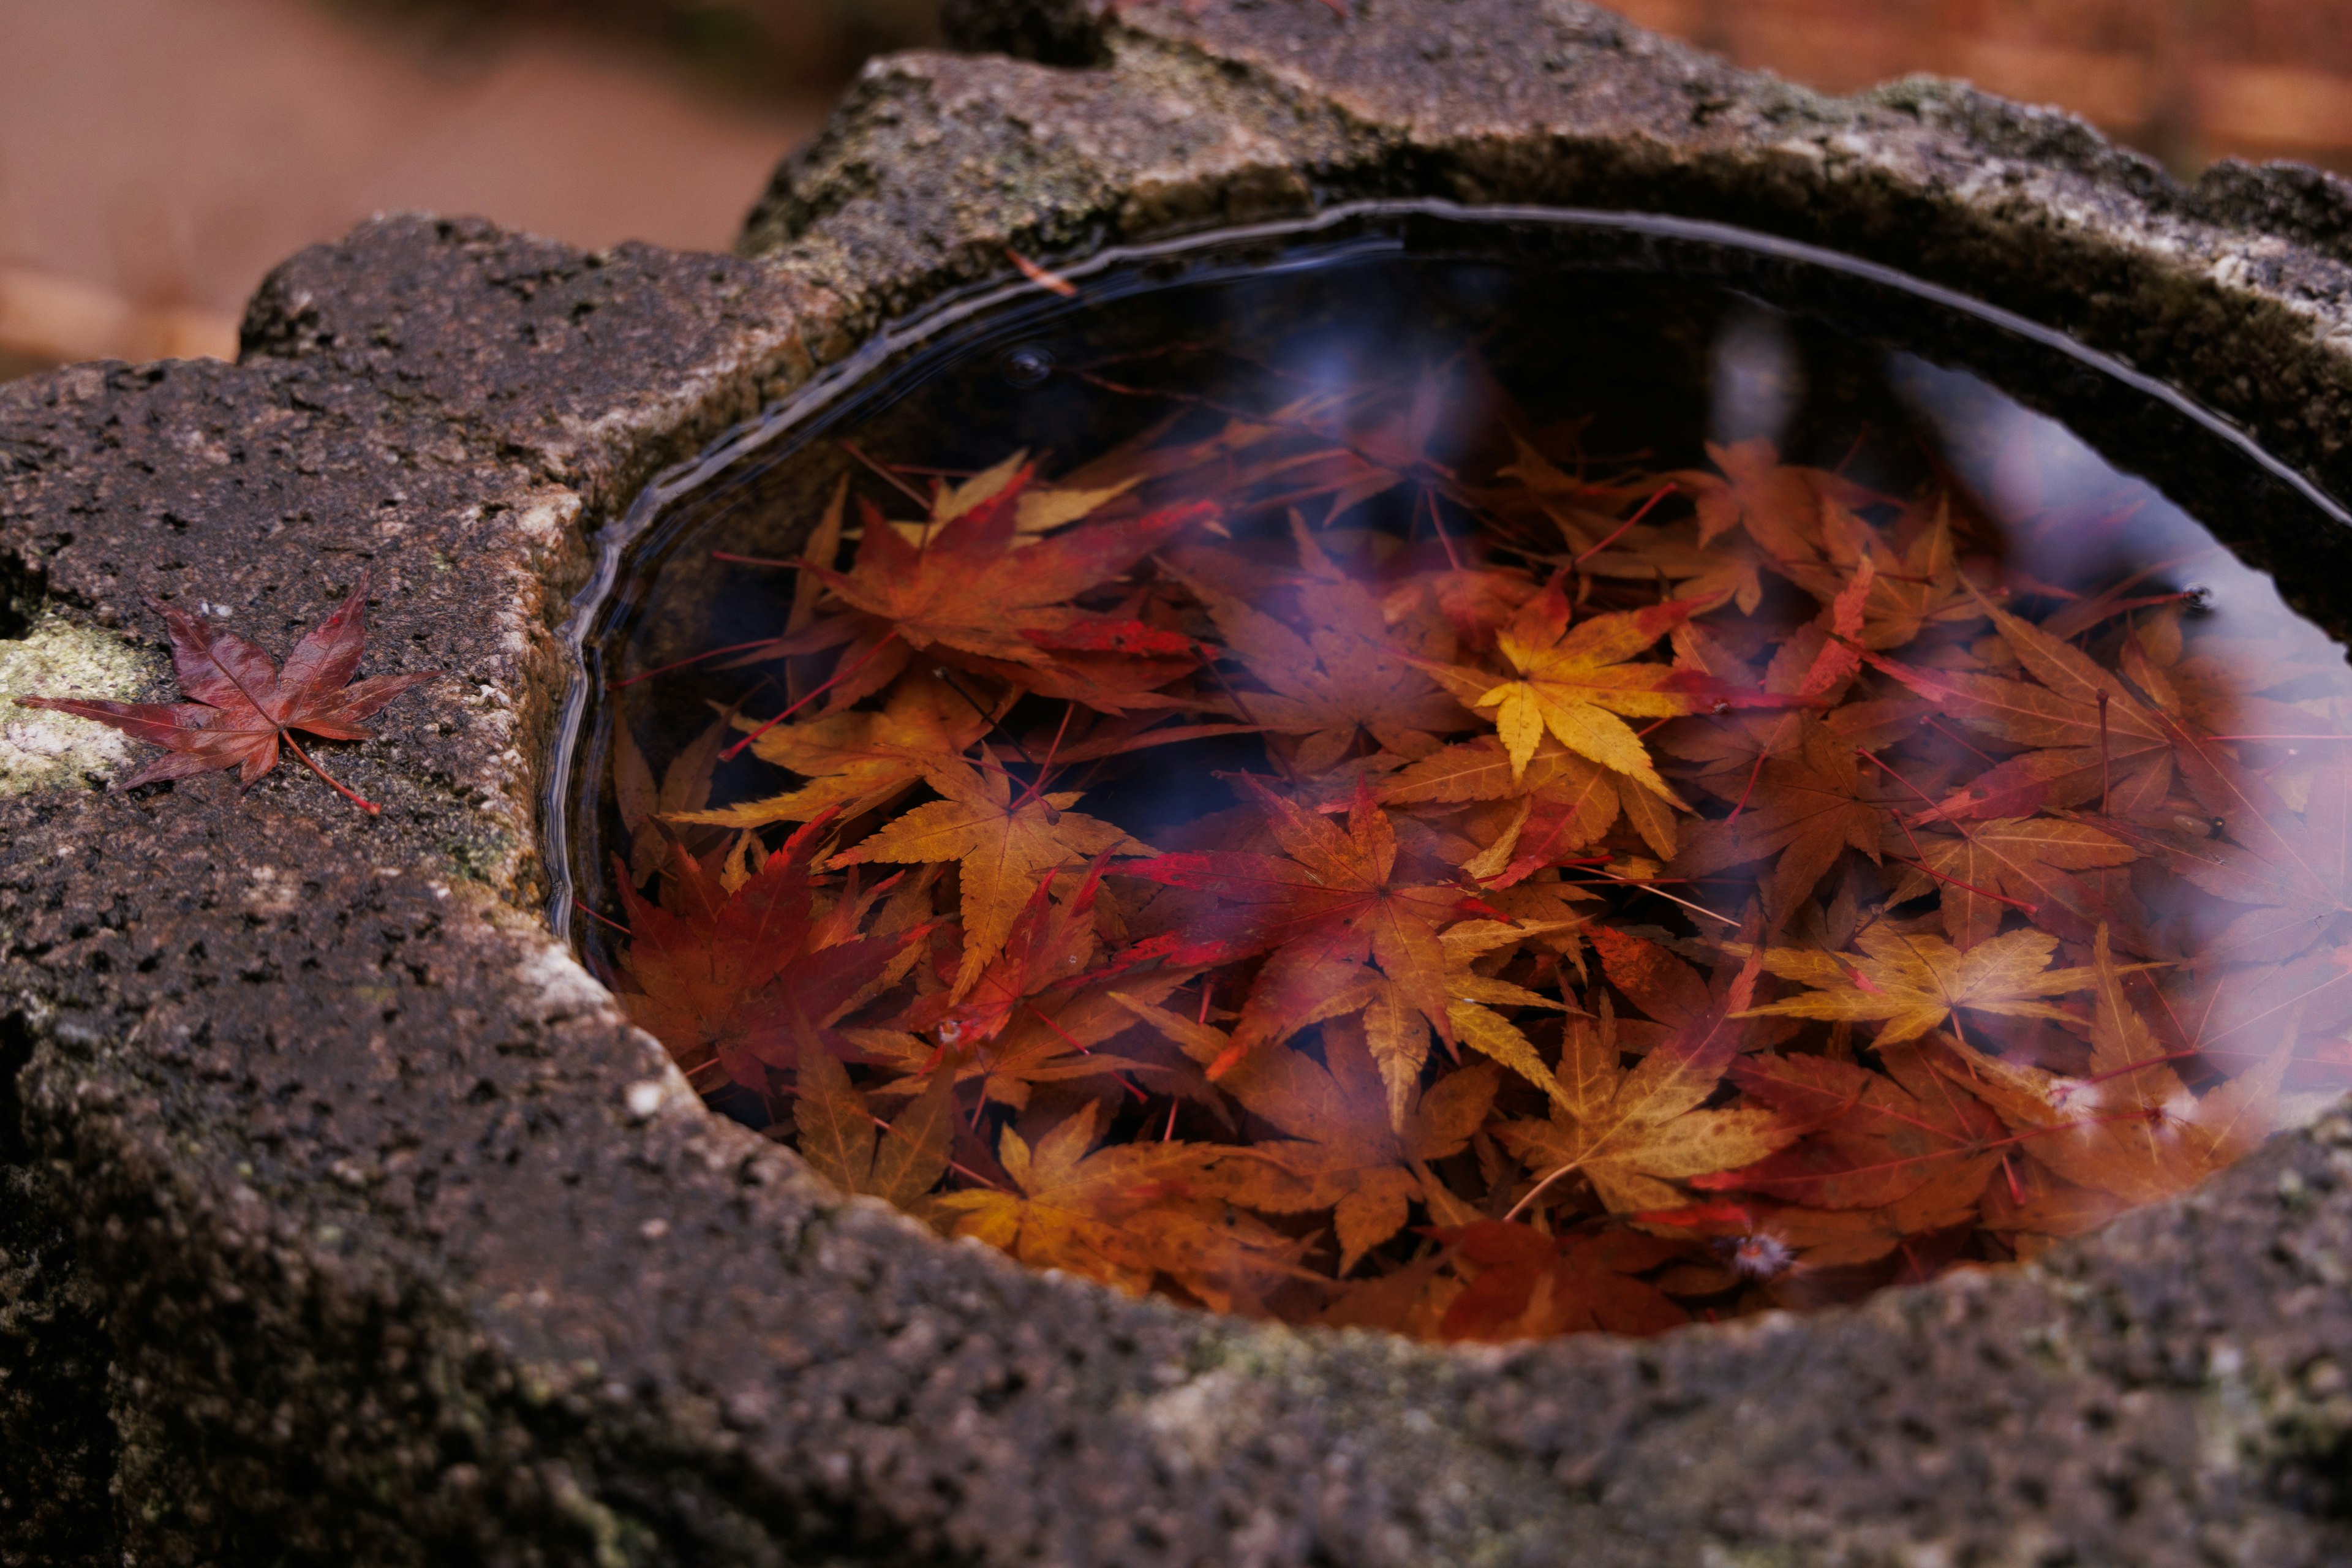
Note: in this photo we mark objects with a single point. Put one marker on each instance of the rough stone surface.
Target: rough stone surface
(345, 1220)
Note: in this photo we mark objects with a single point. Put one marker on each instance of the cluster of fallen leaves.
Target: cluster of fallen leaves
(1270, 866)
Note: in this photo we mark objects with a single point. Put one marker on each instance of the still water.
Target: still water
(1485, 778)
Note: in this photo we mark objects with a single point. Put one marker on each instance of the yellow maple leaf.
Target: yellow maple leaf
(1635, 1133)
(1573, 682)
(1911, 982)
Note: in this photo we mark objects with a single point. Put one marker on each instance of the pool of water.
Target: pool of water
(1486, 775)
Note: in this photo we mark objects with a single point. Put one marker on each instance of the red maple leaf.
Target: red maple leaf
(740, 980)
(244, 704)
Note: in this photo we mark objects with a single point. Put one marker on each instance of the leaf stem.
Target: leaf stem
(367, 805)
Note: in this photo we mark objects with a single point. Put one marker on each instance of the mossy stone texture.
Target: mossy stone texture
(342, 1219)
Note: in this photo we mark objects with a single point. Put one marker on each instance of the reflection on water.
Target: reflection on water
(1484, 796)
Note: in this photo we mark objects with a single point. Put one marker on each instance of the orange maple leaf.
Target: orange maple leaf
(1001, 844)
(967, 596)
(1910, 983)
(1575, 682)
(1338, 1150)
(1120, 1214)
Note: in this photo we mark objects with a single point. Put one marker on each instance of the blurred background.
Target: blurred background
(158, 156)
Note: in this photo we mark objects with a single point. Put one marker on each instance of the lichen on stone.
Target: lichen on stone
(60, 658)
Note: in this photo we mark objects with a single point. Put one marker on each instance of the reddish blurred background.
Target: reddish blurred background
(157, 157)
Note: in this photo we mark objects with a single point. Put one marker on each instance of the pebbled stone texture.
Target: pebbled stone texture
(342, 1219)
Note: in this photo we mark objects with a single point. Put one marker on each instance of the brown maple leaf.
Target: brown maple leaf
(244, 704)
(1806, 808)
(1778, 504)
(645, 805)
(2088, 738)
(1900, 594)
(2130, 1128)
(2290, 873)
(1344, 677)
(847, 1143)
(1533, 1286)
(1873, 1138)
(2027, 863)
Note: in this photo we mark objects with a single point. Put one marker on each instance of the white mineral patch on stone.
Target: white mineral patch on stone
(43, 750)
(560, 987)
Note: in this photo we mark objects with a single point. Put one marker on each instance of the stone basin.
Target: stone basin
(343, 1219)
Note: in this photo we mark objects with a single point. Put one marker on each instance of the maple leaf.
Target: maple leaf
(1052, 1037)
(1338, 1151)
(684, 786)
(1574, 682)
(1895, 596)
(244, 704)
(2014, 861)
(1344, 677)
(2220, 692)
(1573, 801)
(2130, 1128)
(1909, 983)
(1531, 1285)
(1120, 1214)
(1806, 808)
(1476, 604)
(1001, 845)
(1327, 901)
(2089, 737)
(967, 596)
(1051, 944)
(2293, 873)
(738, 981)
(1840, 1238)
(1875, 1138)
(1778, 504)
(1705, 573)
(1666, 988)
(853, 762)
(847, 1143)
(1633, 1132)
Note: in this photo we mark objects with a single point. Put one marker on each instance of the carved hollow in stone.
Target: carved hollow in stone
(406, 1249)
